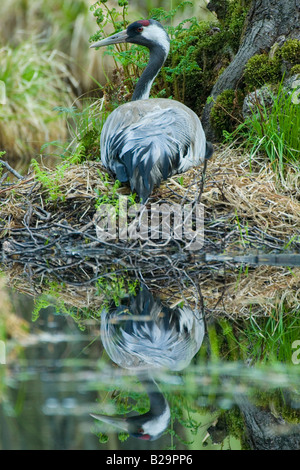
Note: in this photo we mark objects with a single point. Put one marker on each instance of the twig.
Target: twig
(202, 181)
(9, 168)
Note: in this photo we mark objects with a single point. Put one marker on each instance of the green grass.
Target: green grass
(34, 81)
(274, 130)
(271, 339)
(264, 340)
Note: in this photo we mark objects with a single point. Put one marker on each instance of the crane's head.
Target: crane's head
(149, 33)
(145, 427)
(148, 426)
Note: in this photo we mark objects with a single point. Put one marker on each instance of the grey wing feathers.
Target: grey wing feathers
(147, 147)
(147, 333)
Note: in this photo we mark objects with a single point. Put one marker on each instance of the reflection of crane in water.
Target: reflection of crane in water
(146, 336)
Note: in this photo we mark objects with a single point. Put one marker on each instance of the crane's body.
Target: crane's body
(147, 140)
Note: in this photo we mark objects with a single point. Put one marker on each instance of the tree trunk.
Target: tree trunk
(264, 431)
(266, 21)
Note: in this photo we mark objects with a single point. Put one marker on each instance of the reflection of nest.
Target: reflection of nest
(57, 239)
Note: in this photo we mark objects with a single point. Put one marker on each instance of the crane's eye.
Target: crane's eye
(140, 29)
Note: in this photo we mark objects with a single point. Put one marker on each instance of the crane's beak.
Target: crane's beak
(114, 39)
(120, 423)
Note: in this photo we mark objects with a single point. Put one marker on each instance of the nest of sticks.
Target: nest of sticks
(246, 209)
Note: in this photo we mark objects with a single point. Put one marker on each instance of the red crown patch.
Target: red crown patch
(144, 22)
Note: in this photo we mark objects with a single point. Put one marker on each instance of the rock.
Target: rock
(292, 85)
(263, 96)
(266, 94)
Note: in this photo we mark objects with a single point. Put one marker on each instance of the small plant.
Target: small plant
(105, 15)
(114, 288)
(1, 167)
(84, 122)
(181, 61)
(103, 438)
(50, 180)
(180, 180)
(123, 436)
(84, 127)
(51, 297)
(111, 196)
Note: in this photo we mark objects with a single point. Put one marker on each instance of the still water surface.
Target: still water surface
(210, 383)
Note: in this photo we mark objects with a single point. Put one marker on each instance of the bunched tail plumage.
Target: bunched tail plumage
(209, 150)
(162, 142)
(145, 160)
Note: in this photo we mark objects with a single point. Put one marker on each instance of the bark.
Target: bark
(264, 431)
(266, 21)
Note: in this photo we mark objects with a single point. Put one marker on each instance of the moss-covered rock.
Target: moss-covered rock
(295, 70)
(261, 69)
(290, 51)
